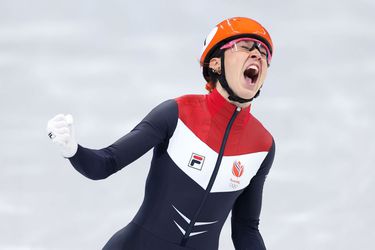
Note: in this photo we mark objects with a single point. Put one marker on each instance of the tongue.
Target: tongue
(249, 80)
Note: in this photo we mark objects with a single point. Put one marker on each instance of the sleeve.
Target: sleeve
(246, 210)
(157, 127)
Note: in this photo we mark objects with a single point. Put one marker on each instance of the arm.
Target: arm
(246, 210)
(157, 127)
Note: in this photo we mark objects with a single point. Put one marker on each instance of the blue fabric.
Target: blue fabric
(170, 192)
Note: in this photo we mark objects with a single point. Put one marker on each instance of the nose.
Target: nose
(255, 53)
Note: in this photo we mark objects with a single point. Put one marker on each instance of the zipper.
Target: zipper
(213, 176)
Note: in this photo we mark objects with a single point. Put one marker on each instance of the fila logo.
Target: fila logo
(196, 161)
(237, 169)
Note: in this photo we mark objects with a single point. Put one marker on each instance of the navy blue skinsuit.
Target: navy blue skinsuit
(209, 158)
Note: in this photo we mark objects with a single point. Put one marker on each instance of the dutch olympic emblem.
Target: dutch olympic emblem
(237, 169)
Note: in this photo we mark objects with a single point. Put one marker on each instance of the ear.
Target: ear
(215, 64)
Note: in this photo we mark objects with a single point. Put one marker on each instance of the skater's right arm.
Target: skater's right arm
(156, 128)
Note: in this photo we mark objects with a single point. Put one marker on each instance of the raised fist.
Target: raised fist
(60, 131)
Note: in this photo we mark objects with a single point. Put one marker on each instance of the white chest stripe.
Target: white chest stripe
(197, 160)
(188, 221)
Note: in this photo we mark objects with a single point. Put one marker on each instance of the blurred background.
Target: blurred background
(110, 62)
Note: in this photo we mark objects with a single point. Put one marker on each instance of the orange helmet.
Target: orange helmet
(230, 29)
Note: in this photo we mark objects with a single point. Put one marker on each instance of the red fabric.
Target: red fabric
(197, 157)
(207, 116)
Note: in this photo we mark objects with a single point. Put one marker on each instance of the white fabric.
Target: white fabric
(60, 130)
(184, 143)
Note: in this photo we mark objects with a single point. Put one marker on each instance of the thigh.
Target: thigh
(134, 237)
(126, 238)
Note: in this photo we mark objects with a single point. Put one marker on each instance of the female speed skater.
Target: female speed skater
(210, 154)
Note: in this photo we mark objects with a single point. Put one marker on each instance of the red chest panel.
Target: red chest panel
(207, 116)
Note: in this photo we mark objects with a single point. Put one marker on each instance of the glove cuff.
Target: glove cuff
(70, 151)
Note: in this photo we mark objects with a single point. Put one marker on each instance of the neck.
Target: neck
(225, 94)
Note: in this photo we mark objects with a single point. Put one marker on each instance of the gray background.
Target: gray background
(110, 62)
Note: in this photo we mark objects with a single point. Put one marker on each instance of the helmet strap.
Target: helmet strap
(223, 82)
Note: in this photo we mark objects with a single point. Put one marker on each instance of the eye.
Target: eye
(245, 48)
(263, 51)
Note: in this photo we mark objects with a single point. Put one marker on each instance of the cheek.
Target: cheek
(228, 61)
(233, 66)
(264, 71)
(264, 74)
(229, 69)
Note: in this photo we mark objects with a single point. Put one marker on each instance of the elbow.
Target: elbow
(93, 175)
(96, 178)
(248, 241)
(246, 235)
(94, 164)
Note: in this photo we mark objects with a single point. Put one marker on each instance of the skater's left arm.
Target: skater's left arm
(246, 210)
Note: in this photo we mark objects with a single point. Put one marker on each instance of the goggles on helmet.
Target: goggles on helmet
(250, 45)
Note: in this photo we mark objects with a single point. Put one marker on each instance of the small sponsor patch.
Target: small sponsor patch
(196, 161)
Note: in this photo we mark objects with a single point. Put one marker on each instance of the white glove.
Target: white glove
(60, 130)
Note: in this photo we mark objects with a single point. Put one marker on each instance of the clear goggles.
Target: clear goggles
(246, 44)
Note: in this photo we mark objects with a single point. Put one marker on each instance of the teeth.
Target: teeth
(254, 67)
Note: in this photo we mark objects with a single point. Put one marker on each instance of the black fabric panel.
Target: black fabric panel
(246, 210)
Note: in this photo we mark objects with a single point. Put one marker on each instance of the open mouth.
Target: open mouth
(252, 73)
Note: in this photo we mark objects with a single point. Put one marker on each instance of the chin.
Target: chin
(247, 93)
(251, 95)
